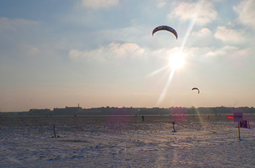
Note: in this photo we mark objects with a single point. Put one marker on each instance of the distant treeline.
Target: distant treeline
(78, 111)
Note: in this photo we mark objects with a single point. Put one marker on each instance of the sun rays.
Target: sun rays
(176, 61)
(163, 93)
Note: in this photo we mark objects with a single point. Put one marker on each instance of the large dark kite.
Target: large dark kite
(167, 28)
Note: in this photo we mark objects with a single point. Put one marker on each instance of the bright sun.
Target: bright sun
(176, 61)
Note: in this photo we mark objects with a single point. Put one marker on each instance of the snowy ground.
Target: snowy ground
(125, 141)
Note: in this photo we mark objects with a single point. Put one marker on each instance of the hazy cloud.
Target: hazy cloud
(161, 3)
(126, 49)
(229, 35)
(202, 11)
(202, 32)
(75, 53)
(99, 3)
(246, 12)
(12, 24)
(31, 50)
(113, 50)
(229, 51)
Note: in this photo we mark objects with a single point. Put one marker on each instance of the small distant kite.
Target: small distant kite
(194, 88)
(167, 28)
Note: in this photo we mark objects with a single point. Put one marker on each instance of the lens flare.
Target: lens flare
(176, 61)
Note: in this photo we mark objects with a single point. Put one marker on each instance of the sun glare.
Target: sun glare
(176, 61)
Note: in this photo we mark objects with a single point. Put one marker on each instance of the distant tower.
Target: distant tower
(78, 104)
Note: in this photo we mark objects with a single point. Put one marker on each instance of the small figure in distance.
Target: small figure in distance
(173, 127)
(142, 118)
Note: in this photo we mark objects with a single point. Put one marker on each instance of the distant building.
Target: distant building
(40, 111)
(67, 110)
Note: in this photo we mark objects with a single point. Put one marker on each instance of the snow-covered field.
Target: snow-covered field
(125, 141)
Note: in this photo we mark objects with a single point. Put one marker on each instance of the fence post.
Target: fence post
(54, 130)
(239, 130)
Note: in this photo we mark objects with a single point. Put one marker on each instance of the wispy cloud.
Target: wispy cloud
(203, 11)
(113, 50)
(229, 35)
(30, 50)
(161, 3)
(126, 49)
(95, 4)
(246, 12)
(13, 24)
(202, 32)
(231, 51)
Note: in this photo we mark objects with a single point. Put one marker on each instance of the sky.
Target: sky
(96, 53)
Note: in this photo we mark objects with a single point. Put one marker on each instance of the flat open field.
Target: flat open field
(126, 141)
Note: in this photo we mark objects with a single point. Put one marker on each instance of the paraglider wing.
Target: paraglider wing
(194, 88)
(167, 28)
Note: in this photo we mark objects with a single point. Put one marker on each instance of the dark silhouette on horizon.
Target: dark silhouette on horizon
(79, 111)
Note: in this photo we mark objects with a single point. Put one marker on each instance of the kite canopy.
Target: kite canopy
(195, 88)
(167, 28)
